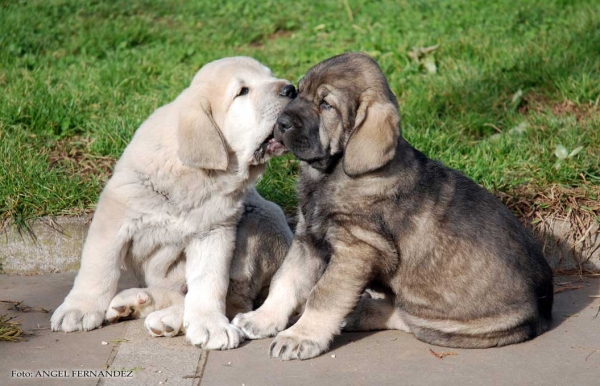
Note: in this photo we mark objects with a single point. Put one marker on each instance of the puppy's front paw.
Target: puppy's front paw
(258, 324)
(77, 316)
(290, 345)
(212, 331)
(167, 322)
(128, 303)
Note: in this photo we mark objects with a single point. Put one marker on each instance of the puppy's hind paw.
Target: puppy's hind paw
(128, 304)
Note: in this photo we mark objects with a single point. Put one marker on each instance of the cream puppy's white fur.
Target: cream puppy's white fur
(178, 190)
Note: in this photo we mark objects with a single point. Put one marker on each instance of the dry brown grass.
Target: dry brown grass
(538, 103)
(10, 329)
(539, 208)
(74, 155)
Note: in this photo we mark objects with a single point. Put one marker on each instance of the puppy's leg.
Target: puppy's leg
(374, 314)
(336, 293)
(207, 270)
(165, 268)
(140, 302)
(289, 289)
(239, 297)
(262, 241)
(96, 282)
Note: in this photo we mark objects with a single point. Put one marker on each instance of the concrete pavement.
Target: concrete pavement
(569, 354)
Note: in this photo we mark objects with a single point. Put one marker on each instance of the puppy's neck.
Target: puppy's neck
(406, 157)
(408, 167)
(243, 171)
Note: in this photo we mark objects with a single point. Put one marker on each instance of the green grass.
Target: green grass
(82, 75)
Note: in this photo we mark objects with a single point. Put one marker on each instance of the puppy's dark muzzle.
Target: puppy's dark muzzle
(284, 123)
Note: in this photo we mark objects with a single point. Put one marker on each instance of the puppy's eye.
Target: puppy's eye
(243, 91)
(325, 106)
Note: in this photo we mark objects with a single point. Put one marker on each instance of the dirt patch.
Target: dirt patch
(73, 155)
(539, 103)
(278, 34)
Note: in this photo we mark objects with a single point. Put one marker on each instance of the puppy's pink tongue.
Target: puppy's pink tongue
(274, 146)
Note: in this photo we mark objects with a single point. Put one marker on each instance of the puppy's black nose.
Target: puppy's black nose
(288, 91)
(284, 122)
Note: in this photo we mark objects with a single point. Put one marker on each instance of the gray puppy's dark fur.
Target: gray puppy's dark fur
(458, 268)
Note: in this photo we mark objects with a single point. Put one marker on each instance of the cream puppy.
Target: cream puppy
(172, 207)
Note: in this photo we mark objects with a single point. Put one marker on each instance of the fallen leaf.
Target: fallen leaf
(190, 376)
(575, 152)
(428, 63)
(520, 129)
(424, 57)
(517, 97)
(561, 152)
(495, 137)
(121, 340)
(441, 355)
(430, 49)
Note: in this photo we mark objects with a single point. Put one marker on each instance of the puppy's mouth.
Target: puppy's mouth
(271, 147)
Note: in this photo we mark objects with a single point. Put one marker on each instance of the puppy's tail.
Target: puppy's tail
(519, 334)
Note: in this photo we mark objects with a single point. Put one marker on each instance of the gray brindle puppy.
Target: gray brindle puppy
(458, 268)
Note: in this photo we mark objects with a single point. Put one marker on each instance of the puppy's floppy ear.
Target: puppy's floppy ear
(372, 143)
(200, 141)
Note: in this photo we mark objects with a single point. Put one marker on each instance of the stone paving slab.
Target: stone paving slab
(130, 349)
(46, 350)
(171, 361)
(569, 354)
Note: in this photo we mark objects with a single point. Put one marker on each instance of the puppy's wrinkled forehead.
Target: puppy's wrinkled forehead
(352, 72)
